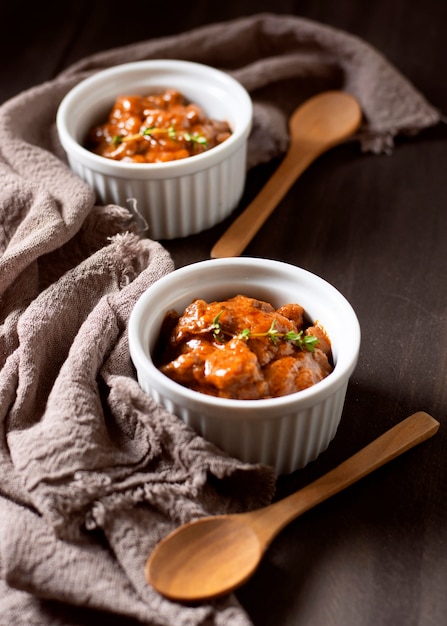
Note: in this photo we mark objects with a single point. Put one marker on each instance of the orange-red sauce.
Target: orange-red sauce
(155, 128)
(227, 349)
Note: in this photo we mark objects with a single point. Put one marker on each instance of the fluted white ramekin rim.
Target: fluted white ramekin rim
(95, 94)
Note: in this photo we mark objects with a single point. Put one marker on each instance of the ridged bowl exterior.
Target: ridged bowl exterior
(175, 207)
(287, 443)
(176, 198)
(285, 433)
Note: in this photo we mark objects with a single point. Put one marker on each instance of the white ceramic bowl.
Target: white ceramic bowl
(285, 432)
(176, 198)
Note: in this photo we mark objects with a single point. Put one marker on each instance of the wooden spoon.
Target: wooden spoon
(317, 125)
(212, 556)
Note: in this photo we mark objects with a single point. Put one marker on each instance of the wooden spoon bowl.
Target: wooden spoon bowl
(212, 556)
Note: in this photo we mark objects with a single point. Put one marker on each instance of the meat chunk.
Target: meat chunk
(324, 343)
(290, 374)
(229, 370)
(234, 371)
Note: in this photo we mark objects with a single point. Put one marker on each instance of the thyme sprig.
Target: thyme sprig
(171, 132)
(302, 341)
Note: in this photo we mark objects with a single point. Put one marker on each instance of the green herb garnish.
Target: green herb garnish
(302, 341)
(171, 132)
(195, 138)
(216, 327)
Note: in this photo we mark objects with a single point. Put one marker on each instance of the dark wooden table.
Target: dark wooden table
(375, 555)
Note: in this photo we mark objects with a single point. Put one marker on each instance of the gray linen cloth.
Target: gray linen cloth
(92, 472)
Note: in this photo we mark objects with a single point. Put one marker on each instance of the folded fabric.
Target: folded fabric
(92, 471)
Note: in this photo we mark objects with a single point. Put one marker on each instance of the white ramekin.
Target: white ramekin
(176, 198)
(285, 432)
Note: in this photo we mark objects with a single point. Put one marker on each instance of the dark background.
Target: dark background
(375, 227)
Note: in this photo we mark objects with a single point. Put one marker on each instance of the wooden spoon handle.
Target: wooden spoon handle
(408, 433)
(237, 237)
